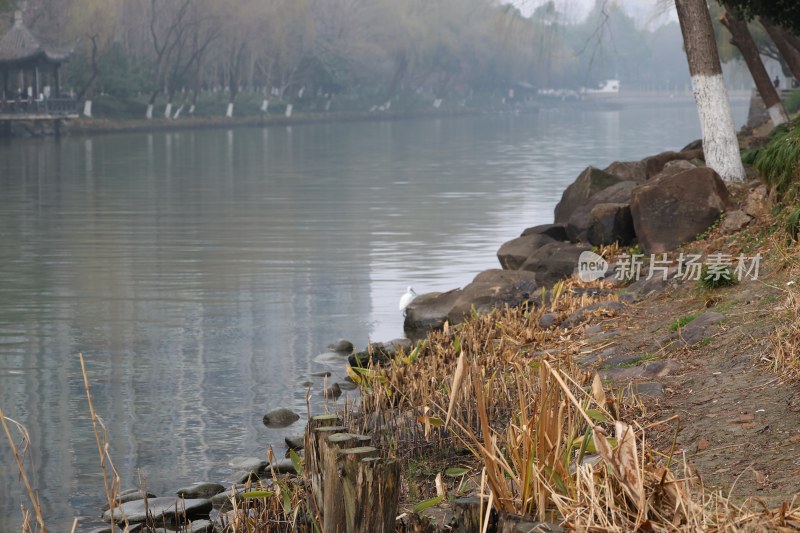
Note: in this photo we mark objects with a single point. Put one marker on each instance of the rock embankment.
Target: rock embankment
(660, 202)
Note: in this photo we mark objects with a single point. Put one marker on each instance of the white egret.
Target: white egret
(407, 298)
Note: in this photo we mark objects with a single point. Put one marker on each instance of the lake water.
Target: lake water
(201, 272)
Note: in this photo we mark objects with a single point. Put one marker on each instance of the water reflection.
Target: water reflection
(201, 272)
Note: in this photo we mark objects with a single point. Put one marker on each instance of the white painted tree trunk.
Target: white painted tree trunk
(328, 105)
(191, 109)
(777, 114)
(720, 145)
(289, 108)
(168, 110)
(229, 111)
(264, 106)
(149, 113)
(87, 109)
(178, 112)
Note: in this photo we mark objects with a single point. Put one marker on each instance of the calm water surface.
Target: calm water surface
(201, 273)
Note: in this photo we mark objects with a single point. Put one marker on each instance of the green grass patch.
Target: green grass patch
(638, 361)
(681, 322)
(779, 161)
(716, 276)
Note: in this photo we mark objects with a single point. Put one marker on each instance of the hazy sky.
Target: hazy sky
(646, 12)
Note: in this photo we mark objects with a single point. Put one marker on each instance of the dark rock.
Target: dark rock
(332, 392)
(656, 163)
(652, 389)
(610, 223)
(643, 287)
(555, 231)
(493, 289)
(672, 210)
(347, 385)
(163, 510)
(513, 254)
(623, 360)
(629, 170)
(698, 329)
(651, 370)
(295, 442)
(281, 466)
(554, 262)
(429, 311)
(342, 346)
(130, 495)
(380, 352)
(591, 181)
(548, 320)
(695, 145)
(280, 418)
(734, 221)
(580, 222)
(674, 167)
(325, 374)
(200, 490)
(584, 313)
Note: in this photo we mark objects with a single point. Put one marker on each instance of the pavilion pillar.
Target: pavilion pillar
(56, 81)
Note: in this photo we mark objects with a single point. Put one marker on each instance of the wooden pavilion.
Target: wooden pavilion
(25, 67)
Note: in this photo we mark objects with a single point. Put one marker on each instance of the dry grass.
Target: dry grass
(549, 440)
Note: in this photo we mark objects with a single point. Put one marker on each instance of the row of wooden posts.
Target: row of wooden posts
(353, 488)
(356, 490)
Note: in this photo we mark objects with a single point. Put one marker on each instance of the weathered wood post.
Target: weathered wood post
(333, 501)
(318, 427)
(468, 515)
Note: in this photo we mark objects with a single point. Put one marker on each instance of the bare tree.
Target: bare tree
(720, 145)
(790, 54)
(743, 40)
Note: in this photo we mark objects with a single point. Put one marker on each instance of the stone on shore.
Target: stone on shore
(672, 210)
(580, 222)
(494, 289)
(591, 181)
(554, 231)
(200, 490)
(610, 223)
(380, 353)
(513, 254)
(280, 418)
(163, 510)
(428, 312)
(554, 261)
(342, 346)
(734, 221)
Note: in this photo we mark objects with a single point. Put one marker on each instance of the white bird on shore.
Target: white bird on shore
(407, 298)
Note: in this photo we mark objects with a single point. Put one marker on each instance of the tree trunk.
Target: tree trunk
(720, 145)
(743, 40)
(790, 54)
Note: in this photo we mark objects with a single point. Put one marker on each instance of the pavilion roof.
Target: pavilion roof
(19, 45)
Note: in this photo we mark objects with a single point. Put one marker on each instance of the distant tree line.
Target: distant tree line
(173, 51)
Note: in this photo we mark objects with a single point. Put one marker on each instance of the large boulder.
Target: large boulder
(672, 210)
(494, 289)
(554, 261)
(610, 223)
(554, 231)
(429, 311)
(587, 184)
(656, 163)
(651, 166)
(577, 228)
(513, 254)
